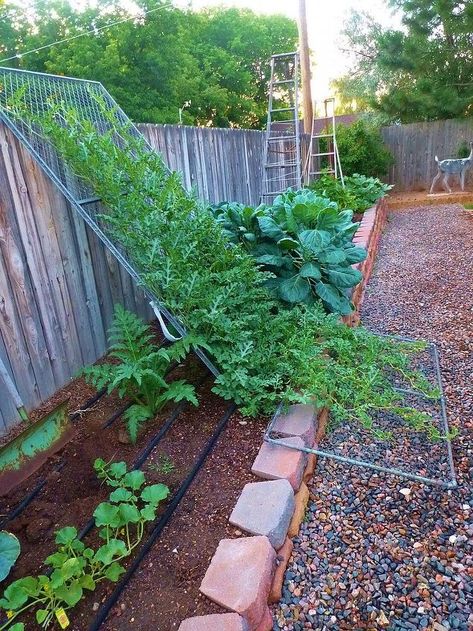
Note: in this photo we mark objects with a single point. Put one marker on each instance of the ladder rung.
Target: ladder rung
(283, 109)
(285, 81)
(282, 165)
(290, 120)
(284, 55)
(281, 138)
(320, 172)
(329, 153)
(323, 136)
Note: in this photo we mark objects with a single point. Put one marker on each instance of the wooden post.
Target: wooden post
(305, 67)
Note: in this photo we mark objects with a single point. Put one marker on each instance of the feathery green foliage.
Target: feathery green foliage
(140, 370)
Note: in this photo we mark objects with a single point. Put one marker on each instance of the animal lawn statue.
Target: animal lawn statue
(452, 166)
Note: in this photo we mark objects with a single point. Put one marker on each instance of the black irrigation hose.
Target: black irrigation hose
(20, 507)
(163, 430)
(161, 523)
(89, 403)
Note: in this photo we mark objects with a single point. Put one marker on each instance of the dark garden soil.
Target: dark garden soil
(377, 551)
(165, 589)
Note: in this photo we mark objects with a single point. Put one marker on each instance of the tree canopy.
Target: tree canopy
(215, 60)
(423, 71)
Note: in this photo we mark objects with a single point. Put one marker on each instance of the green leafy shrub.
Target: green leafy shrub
(305, 241)
(9, 552)
(139, 373)
(77, 567)
(262, 348)
(359, 193)
(361, 149)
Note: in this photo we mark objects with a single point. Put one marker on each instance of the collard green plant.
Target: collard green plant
(261, 347)
(78, 568)
(140, 369)
(305, 241)
(359, 193)
(9, 552)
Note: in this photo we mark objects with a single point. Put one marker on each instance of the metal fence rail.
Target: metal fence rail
(272, 437)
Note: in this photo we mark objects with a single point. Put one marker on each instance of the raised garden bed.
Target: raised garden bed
(167, 588)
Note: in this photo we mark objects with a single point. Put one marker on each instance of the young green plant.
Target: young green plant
(76, 567)
(139, 370)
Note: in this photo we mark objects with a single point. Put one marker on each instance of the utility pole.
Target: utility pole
(305, 68)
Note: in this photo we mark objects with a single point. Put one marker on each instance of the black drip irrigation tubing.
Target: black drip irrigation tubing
(88, 404)
(161, 522)
(26, 501)
(20, 507)
(154, 440)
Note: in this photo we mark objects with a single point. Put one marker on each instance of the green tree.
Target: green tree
(422, 72)
(216, 59)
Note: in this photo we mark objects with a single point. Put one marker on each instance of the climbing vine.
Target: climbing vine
(265, 350)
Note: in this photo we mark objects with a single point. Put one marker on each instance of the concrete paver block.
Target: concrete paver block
(239, 577)
(265, 508)
(276, 462)
(299, 420)
(215, 622)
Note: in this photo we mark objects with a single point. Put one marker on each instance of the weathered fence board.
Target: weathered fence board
(415, 146)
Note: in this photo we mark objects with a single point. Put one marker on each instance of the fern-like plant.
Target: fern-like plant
(140, 369)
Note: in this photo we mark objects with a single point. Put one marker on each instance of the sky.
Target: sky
(324, 21)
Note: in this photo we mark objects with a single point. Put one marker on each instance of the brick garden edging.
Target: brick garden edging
(247, 573)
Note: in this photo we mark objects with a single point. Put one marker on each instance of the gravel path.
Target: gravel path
(376, 551)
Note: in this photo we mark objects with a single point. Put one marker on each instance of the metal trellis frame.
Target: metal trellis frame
(36, 89)
(271, 437)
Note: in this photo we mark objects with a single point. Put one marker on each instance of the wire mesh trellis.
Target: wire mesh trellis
(35, 92)
(408, 454)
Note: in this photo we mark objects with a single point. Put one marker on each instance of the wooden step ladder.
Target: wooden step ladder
(282, 166)
(313, 167)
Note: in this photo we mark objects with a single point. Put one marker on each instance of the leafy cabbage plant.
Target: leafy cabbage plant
(358, 193)
(305, 241)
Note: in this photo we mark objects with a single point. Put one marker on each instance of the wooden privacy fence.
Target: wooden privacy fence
(58, 283)
(415, 146)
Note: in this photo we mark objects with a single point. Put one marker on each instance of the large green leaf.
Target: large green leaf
(314, 240)
(355, 254)
(9, 552)
(134, 479)
(288, 243)
(344, 276)
(114, 571)
(66, 535)
(310, 270)
(106, 553)
(330, 295)
(129, 514)
(328, 218)
(70, 594)
(270, 259)
(154, 494)
(270, 228)
(121, 495)
(332, 257)
(106, 515)
(294, 289)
